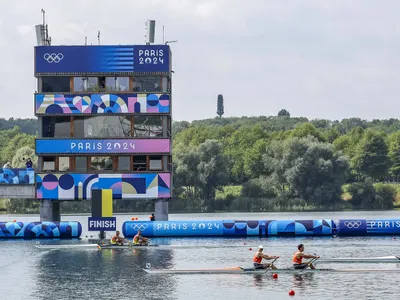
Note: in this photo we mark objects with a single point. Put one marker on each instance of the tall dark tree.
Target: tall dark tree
(220, 105)
(371, 157)
(283, 113)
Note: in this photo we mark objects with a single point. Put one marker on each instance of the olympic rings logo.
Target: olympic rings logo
(352, 224)
(53, 57)
(138, 227)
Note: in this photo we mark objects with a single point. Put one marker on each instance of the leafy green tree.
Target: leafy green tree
(28, 126)
(20, 140)
(275, 165)
(212, 170)
(259, 188)
(252, 157)
(22, 155)
(385, 196)
(185, 164)
(331, 135)
(7, 135)
(347, 125)
(199, 171)
(283, 113)
(305, 130)
(371, 157)
(362, 194)
(177, 127)
(237, 145)
(394, 154)
(322, 123)
(315, 172)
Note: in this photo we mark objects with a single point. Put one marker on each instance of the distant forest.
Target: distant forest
(28, 126)
(267, 163)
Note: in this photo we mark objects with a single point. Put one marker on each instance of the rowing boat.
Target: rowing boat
(130, 246)
(383, 259)
(80, 246)
(240, 270)
(66, 246)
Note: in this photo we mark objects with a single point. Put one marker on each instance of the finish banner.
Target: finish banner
(96, 146)
(102, 59)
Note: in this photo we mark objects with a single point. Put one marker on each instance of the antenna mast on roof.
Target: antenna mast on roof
(42, 32)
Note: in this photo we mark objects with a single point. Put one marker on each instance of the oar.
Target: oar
(270, 266)
(308, 264)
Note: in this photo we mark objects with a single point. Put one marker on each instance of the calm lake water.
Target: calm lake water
(31, 273)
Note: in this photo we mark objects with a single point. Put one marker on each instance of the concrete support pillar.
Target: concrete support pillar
(50, 210)
(161, 209)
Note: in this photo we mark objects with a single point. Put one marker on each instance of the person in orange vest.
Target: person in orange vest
(298, 258)
(152, 217)
(257, 259)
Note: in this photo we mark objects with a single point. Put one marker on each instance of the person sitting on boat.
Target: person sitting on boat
(258, 258)
(140, 240)
(116, 240)
(298, 258)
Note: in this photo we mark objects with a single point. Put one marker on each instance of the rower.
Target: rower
(258, 258)
(116, 240)
(139, 239)
(298, 258)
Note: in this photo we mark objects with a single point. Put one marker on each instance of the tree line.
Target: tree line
(273, 163)
(283, 163)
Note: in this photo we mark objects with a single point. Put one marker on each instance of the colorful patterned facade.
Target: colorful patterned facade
(81, 104)
(58, 68)
(65, 186)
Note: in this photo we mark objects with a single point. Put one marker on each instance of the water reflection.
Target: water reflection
(258, 280)
(107, 274)
(301, 280)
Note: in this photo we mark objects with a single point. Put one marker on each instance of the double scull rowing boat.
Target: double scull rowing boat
(128, 246)
(240, 270)
(80, 246)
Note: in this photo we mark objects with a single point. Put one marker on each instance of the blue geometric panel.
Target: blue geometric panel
(74, 186)
(70, 229)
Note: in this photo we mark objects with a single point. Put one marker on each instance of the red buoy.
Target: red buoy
(14, 220)
(291, 293)
(275, 276)
(250, 249)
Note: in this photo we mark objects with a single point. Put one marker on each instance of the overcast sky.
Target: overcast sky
(316, 58)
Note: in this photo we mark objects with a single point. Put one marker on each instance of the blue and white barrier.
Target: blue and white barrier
(319, 227)
(68, 229)
(230, 228)
(365, 227)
